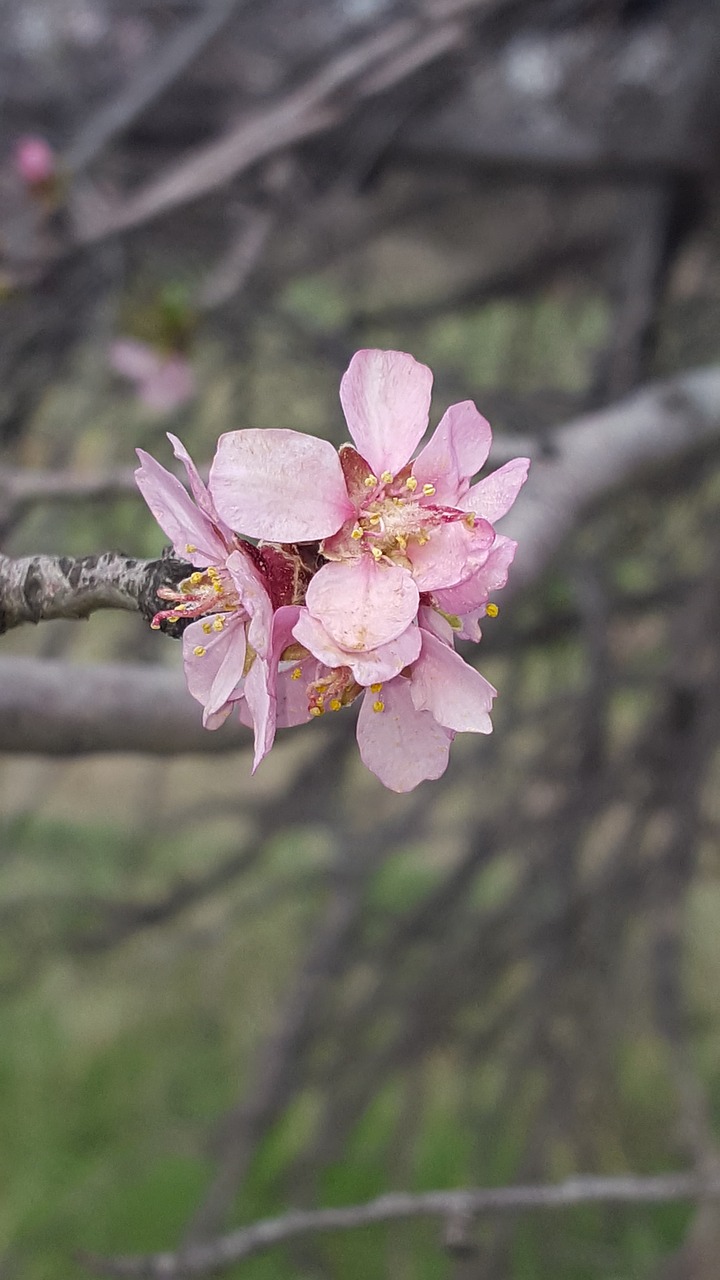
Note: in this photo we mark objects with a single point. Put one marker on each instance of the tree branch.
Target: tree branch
(55, 708)
(40, 588)
(227, 1250)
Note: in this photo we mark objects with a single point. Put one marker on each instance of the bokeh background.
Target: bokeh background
(223, 996)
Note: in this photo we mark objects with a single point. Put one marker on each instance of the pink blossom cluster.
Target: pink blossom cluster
(368, 564)
(35, 162)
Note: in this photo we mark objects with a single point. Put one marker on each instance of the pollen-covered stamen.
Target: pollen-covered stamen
(335, 690)
(206, 591)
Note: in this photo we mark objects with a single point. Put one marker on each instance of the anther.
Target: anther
(189, 548)
(357, 533)
(196, 578)
(296, 674)
(154, 626)
(218, 624)
(172, 617)
(375, 519)
(370, 482)
(207, 628)
(387, 477)
(379, 705)
(335, 704)
(199, 651)
(375, 688)
(376, 553)
(428, 490)
(411, 484)
(470, 520)
(316, 711)
(492, 610)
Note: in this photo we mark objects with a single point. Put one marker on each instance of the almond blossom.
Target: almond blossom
(369, 564)
(389, 526)
(229, 600)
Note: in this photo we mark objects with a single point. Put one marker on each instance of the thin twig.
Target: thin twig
(230, 1249)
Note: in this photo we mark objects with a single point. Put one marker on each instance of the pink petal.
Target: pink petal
(493, 497)
(255, 598)
(477, 589)
(260, 688)
(214, 674)
(430, 620)
(401, 745)
(386, 399)
(457, 450)
(292, 696)
(452, 553)
(361, 604)
(262, 709)
(279, 485)
(372, 667)
(454, 693)
(177, 515)
(198, 488)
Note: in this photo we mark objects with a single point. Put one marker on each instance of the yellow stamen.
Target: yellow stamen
(378, 706)
(375, 688)
(387, 477)
(428, 490)
(218, 624)
(316, 711)
(411, 484)
(199, 651)
(376, 553)
(296, 674)
(375, 519)
(196, 578)
(207, 628)
(154, 626)
(401, 541)
(172, 617)
(492, 610)
(189, 548)
(470, 520)
(335, 704)
(370, 482)
(357, 533)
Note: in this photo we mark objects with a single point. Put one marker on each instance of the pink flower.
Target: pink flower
(163, 382)
(409, 715)
(389, 528)
(370, 563)
(35, 162)
(227, 646)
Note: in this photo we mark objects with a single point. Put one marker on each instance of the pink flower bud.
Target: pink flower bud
(35, 161)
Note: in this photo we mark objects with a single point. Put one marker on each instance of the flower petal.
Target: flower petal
(371, 667)
(477, 589)
(401, 745)
(177, 515)
(454, 693)
(214, 661)
(255, 599)
(456, 451)
(362, 604)
(385, 396)
(493, 497)
(452, 553)
(198, 488)
(279, 485)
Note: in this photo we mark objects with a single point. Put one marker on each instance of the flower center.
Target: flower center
(333, 691)
(397, 513)
(209, 590)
